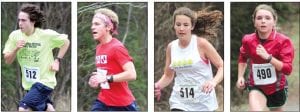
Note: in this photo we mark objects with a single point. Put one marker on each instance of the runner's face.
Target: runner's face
(24, 22)
(264, 21)
(99, 29)
(183, 26)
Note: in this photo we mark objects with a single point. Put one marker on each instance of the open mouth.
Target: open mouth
(94, 32)
(181, 33)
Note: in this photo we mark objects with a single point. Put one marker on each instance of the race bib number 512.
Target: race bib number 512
(263, 74)
(32, 74)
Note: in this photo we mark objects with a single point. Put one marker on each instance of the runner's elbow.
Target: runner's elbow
(287, 68)
(7, 60)
(132, 76)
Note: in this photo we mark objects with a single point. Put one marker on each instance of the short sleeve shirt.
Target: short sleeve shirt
(36, 57)
(111, 57)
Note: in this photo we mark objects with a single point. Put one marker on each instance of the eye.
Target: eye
(96, 23)
(178, 24)
(268, 17)
(258, 17)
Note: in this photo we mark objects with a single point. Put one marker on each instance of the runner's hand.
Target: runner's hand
(98, 78)
(240, 84)
(55, 66)
(208, 86)
(157, 91)
(261, 51)
(20, 44)
(93, 83)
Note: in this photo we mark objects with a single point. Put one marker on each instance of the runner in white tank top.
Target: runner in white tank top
(190, 58)
(191, 72)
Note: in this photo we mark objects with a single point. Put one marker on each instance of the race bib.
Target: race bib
(189, 93)
(32, 74)
(263, 74)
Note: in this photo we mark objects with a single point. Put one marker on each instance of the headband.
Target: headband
(107, 21)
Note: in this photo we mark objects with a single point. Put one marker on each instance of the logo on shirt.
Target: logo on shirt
(32, 45)
(101, 59)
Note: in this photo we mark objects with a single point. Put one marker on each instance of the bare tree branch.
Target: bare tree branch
(95, 6)
(128, 23)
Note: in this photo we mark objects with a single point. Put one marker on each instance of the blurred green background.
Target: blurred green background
(164, 34)
(58, 18)
(241, 24)
(133, 27)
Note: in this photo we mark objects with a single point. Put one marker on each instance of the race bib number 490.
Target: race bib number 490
(263, 74)
(32, 74)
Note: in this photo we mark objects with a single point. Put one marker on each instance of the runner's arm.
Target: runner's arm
(286, 56)
(62, 51)
(241, 69)
(168, 75)
(128, 74)
(10, 56)
(214, 57)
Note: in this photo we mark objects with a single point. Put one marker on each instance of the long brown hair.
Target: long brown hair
(206, 23)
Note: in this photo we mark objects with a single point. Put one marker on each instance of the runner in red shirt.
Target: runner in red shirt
(114, 66)
(270, 55)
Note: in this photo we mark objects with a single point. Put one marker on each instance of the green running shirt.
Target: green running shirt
(36, 57)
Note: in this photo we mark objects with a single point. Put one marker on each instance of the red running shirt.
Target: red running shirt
(279, 46)
(111, 57)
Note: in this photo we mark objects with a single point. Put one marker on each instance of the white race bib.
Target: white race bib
(189, 93)
(104, 85)
(31, 74)
(263, 74)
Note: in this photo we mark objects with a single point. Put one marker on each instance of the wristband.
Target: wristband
(269, 59)
(110, 79)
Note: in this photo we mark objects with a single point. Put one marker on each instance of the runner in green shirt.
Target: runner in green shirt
(33, 47)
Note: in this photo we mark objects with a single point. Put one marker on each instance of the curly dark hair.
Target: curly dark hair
(35, 14)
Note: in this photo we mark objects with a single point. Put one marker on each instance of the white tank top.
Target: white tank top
(191, 72)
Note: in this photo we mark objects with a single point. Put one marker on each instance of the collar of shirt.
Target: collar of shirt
(271, 37)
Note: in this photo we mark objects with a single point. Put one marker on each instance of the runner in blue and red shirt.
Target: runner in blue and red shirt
(114, 66)
(270, 55)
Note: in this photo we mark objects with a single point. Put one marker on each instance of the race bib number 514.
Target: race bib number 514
(263, 74)
(32, 74)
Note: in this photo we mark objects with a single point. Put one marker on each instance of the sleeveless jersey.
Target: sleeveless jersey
(191, 73)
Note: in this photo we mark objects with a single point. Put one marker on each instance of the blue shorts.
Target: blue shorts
(100, 106)
(37, 97)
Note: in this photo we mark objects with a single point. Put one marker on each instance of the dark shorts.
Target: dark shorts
(276, 99)
(100, 106)
(37, 97)
(175, 109)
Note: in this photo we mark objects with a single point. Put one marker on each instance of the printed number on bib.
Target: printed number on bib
(187, 92)
(32, 74)
(263, 74)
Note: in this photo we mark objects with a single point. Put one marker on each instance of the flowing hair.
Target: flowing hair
(208, 23)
